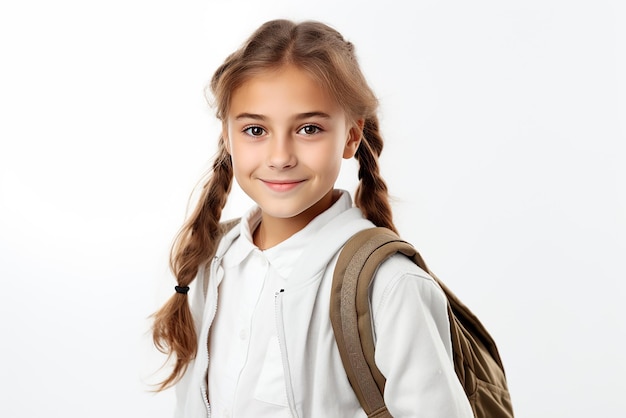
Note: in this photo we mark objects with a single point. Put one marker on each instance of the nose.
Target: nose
(281, 153)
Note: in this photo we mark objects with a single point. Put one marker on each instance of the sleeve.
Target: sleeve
(413, 346)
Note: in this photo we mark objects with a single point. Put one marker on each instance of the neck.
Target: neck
(272, 231)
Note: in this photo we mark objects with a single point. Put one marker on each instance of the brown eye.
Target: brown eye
(254, 131)
(309, 130)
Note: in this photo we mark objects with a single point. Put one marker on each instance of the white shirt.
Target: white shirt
(244, 328)
(413, 347)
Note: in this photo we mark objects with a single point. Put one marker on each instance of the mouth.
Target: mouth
(282, 185)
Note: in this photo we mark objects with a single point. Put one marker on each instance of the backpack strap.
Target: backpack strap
(350, 311)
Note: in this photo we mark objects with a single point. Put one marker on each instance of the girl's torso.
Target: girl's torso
(272, 350)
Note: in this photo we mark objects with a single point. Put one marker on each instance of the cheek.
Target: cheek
(326, 161)
(243, 160)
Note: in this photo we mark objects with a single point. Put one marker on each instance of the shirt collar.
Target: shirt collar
(283, 255)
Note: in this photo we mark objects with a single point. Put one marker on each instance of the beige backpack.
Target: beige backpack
(476, 359)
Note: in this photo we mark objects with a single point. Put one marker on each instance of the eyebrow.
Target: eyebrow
(300, 116)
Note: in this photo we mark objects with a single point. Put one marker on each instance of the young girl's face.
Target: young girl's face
(287, 137)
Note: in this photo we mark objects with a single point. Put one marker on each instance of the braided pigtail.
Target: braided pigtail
(371, 195)
(173, 329)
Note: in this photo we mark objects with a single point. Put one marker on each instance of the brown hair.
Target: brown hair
(326, 56)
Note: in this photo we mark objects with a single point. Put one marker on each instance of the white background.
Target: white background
(505, 124)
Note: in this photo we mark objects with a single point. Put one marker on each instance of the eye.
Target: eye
(310, 130)
(254, 131)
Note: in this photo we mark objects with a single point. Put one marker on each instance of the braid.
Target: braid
(197, 240)
(372, 196)
(173, 330)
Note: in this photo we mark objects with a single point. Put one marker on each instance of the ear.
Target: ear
(355, 134)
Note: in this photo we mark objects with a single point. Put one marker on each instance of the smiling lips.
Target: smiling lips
(282, 185)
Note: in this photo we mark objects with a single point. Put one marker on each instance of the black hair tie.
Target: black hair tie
(182, 289)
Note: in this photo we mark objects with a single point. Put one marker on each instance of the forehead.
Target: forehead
(288, 90)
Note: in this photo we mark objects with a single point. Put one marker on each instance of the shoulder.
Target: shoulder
(398, 279)
(397, 268)
(229, 232)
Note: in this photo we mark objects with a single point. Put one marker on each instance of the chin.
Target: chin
(281, 214)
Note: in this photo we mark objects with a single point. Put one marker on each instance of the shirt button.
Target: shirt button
(243, 334)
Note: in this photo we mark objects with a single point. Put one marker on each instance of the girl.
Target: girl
(257, 340)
